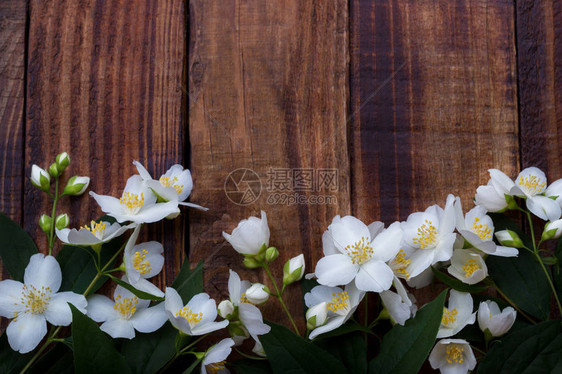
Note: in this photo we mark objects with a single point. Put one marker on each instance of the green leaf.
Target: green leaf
(148, 353)
(520, 278)
(349, 327)
(139, 293)
(10, 360)
(289, 353)
(349, 349)
(456, 284)
(94, 351)
(535, 349)
(16, 249)
(58, 360)
(556, 270)
(249, 366)
(189, 282)
(405, 348)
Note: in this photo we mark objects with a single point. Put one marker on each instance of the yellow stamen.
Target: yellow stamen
(532, 183)
(449, 316)
(360, 252)
(215, 367)
(400, 264)
(35, 301)
(454, 354)
(132, 201)
(192, 318)
(427, 235)
(481, 229)
(167, 182)
(126, 306)
(96, 228)
(140, 263)
(244, 299)
(470, 267)
(339, 302)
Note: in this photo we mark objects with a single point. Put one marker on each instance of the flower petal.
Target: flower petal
(219, 352)
(149, 319)
(201, 329)
(375, 276)
(544, 207)
(155, 212)
(234, 287)
(332, 324)
(336, 270)
(108, 204)
(10, 295)
(26, 332)
(145, 175)
(58, 312)
(100, 308)
(506, 251)
(43, 271)
(348, 231)
(328, 246)
(252, 318)
(118, 328)
(387, 244)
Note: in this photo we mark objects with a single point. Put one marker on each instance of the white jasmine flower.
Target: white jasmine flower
(137, 204)
(215, 357)
(257, 294)
(399, 304)
(360, 257)
(491, 318)
(457, 314)
(430, 235)
(175, 184)
(467, 266)
(492, 196)
(249, 314)
(452, 356)
(125, 314)
(94, 234)
(35, 302)
(531, 185)
(477, 229)
(250, 236)
(195, 318)
(341, 305)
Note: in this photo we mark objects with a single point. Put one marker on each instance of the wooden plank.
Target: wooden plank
(539, 61)
(104, 84)
(267, 86)
(12, 74)
(433, 103)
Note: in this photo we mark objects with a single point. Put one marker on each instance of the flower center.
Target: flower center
(360, 252)
(215, 367)
(244, 299)
(340, 303)
(35, 301)
(126, 306)
(454, 354)
(171, 182)
(140, 263)
(449, 316)
(96, 228)
(132, 201)
(533, 184)
(192, 318)
(400, 264)
(470, 267)
(427, 235)
(481, 229)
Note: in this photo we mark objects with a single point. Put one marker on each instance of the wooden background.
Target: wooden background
(408, 100)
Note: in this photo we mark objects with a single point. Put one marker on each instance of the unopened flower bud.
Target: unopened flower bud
(552, 230)
(257, 294)
(62, 221)
(40, 178)
(46, 223)
(316, 315)
(495, 321)
(76, 185)
(226, 309)
(509, 238)
(271, 254)
(251, 263)
(293, 270)
(62, 161)
(53, 170)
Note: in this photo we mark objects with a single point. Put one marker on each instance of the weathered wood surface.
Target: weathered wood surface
(104, 84)
(433, 103)
(539, 63)
(267, 89)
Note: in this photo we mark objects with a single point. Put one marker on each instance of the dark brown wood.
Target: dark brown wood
(433, 103)
(539, 52)
(105, 85)
(267, 90)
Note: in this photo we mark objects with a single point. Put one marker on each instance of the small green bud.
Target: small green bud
(552, 230)
(511, 203)
(293, 270)
(46, 223)
(251, 263)
(53, 170)
(199, 355)
(226, 309)
(271, 254)
(316, 316)
(62, 221)
(76, 185)
(509, 239)
(62, 161)
(40, 178)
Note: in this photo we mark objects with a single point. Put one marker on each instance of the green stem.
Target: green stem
(280, 298)
(514, 305)
(477, 349)
(249, 356)
(532, 230)
(52, 233)
(43, 347)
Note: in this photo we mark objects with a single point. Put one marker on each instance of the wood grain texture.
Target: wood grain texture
(433, 103)
(268, 89)
(539, 46)
(105, 85)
